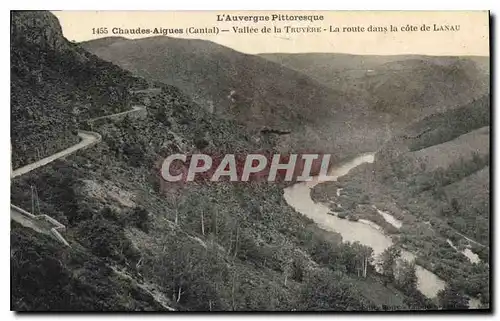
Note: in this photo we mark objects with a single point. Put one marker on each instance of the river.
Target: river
(365, 232)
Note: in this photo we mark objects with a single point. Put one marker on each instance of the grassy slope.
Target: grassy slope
(472, 195)
(445, 154)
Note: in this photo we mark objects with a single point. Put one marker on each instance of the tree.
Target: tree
(106, 239)
(324, 290)
(455, 205)
(363, 258)
(451, 298)
(140, 218)
(109, 214)
(298, 268)
(388, 260)
(364, 199)
(162, 116)
(405, 274)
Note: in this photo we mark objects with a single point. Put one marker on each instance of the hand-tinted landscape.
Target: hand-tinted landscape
(403, 226)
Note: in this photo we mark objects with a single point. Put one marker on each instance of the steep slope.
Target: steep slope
(45, 277)
(139, 243)
(425, 84)
(54, 83)
(439, 129)
(439, 167)
(442, 155)
(469, 209)
(474, 143)
(247, 88)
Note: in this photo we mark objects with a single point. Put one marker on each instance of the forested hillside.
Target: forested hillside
(55, 83)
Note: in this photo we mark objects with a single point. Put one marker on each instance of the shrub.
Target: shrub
(342, 215)
(106, 239)
(140, 218)
(353, 217)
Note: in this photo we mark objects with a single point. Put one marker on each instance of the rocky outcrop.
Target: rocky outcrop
(37, 28)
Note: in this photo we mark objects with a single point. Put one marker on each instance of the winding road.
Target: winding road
(469, 239)
(88, 139)
(43, 223)
(134, 109)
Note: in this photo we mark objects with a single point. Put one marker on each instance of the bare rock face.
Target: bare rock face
(39, 28)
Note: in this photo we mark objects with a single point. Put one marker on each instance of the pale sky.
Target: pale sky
(471, 39)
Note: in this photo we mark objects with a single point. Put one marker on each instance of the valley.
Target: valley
(430, 183)
(401, 222)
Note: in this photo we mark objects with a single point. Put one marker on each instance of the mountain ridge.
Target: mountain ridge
(454, 80)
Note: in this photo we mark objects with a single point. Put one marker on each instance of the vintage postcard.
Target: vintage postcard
(250, 161)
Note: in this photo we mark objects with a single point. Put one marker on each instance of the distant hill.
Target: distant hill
(324, 65)
(447, 156)
(248, 88)
(253, 91)
(424, 84)
(459, 125)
